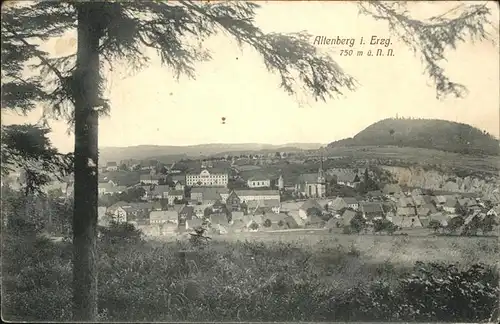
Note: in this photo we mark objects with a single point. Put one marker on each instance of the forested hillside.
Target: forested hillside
(425, 133)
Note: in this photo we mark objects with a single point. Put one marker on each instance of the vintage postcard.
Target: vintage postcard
(265, 161)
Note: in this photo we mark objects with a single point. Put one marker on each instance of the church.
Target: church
(312, 185)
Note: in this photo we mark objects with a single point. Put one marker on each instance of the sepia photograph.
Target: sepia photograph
(250, 161)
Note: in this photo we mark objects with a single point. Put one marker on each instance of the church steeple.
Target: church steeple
(321, 172)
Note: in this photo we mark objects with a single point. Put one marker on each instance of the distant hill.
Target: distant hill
(424, 133)
(117, 154)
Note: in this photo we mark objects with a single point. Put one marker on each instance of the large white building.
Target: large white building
(259, 182)
(207, 179)
(246, 195)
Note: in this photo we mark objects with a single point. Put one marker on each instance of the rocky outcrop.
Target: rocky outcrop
(436, 180)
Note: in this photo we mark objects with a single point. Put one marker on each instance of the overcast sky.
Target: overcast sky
(150, 107)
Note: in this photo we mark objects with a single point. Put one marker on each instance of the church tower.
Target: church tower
(321, 185)
(281, 183)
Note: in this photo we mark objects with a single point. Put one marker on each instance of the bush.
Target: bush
(347, 230)
(120, 233)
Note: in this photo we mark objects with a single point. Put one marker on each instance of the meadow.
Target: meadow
(278, 277)
(485, 164)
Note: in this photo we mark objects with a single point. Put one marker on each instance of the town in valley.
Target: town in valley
(282, 191)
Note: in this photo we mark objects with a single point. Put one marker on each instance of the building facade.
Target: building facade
(257, 182)
(207, 179)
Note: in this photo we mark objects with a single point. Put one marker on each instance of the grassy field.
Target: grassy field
(261, 277)
(398, 249)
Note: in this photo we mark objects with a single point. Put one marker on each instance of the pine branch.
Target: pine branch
(431, 37)
(40, 57)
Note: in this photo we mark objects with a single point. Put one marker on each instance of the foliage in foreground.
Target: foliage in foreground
(243, 281)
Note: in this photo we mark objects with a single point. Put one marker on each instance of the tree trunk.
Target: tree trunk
(86, 94)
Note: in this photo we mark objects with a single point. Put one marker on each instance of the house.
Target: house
(372, 210)
(416, 192)
(391, 189)
(450, 205)
(157, 205)
(109, 187)
(233, 202)
(174, 196)
(495, 211)
(178, 178)
(272, 205)
(194, 223)
(424, 220)
(111, 166)
(263, 206)
(466, 202)
(333, 223)
(259, 182)
(137, 211)
(308, 205)
(295, 215)
(168, 228)
(199, 210)
(246, 195)
(151, 178)
(153, 191)
(420, 200)
(441, 218)
(406, 222)
(344, 202)
(426, 210)
(406, 212)
(345, 177)
(376, 194)
(439, 200)
(104, 187)
(220, 219)
(347, 216)
(291, 222)
(125, 212)
(118, 214)
(287, 206)
(185, 213)
(178, 186)
(206, 178)
(209, 195)
(406, 202)
(236, 216)
(220, 229)
(163, 216)
(314, 221)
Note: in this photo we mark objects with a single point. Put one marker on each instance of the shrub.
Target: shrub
(120, 233)
(347, 230)
(451, 293)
